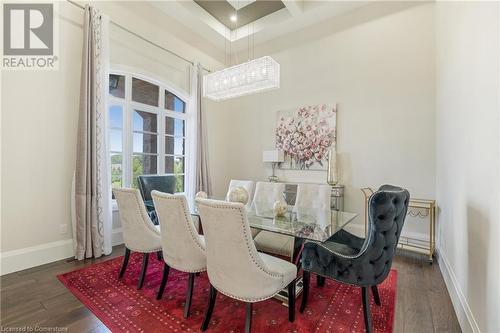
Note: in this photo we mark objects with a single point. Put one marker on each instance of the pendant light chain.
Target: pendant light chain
(250, 77)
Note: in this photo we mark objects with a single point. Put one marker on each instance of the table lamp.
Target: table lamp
(274, 157)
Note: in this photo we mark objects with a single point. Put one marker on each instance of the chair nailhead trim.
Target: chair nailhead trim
(187, 220)
(251, 299)
(254, 260)
(321, 267)
(145, 219)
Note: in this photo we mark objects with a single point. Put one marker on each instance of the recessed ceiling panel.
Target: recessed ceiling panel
(223, 10)
(237, 4)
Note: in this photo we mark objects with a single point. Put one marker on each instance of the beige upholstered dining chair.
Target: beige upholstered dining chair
(234, 266)
(268, 192)
(139, 233)
(183, 248)
(267, 241)
(313, 196)
(248, 185)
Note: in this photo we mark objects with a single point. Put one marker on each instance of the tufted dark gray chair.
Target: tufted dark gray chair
(356, 261)
(148, 183)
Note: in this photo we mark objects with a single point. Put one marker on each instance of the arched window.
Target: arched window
(147, 129)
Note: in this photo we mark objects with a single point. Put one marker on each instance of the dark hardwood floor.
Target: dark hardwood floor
(35, 297)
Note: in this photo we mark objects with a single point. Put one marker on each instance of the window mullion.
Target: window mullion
(144, 107)
(161, 131)
(161, 143)
(189, 167)
(145, 132)
(177, 115)
(162, 97)
(161, 113)
(128, 136)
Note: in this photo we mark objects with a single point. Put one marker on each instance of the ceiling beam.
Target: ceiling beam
(296, 7)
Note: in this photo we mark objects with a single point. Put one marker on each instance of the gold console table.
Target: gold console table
(423, 208)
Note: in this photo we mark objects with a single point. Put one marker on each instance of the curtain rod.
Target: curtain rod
(142, 38)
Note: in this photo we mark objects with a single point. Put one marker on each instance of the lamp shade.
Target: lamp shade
(273, 156)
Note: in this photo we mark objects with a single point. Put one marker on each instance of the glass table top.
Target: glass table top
(302, 222)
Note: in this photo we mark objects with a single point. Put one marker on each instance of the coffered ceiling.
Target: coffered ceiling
(234, 14)
(261, 21)
(257, 18)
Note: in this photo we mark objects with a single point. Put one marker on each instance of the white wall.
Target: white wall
(39, 122)
(40, 118)
(379, 66)
(468, 166)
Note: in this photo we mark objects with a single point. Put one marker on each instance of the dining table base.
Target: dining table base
(298, 245)
(283, 294)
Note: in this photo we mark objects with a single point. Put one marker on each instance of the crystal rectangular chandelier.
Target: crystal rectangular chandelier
(250, 77)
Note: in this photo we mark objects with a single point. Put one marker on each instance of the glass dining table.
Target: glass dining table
(301, 223)
(306, 223)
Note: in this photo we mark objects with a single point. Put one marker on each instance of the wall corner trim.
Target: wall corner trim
(464, 313)
(28, 257)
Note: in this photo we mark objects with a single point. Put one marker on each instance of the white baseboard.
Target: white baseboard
(464, 314)
(17, 260)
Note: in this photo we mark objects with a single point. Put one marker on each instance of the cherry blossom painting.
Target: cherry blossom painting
(306, 135)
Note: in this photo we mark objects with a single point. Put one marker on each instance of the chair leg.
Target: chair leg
(291, 301)
(376, 296)
(320, 280)
(210, 309)
(125, 263)
(365, 295)
(145, 258)
(164, 279)
(248, 318)
(189, 295)
(305, 292)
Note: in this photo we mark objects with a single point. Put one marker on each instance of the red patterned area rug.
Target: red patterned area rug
(122, 308)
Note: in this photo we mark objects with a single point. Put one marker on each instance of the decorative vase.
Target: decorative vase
(280, 207)
(238, 194)
(201, 194)
(332, 175)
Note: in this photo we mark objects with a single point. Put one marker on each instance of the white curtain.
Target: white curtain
(199, 170)
(92, 193)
